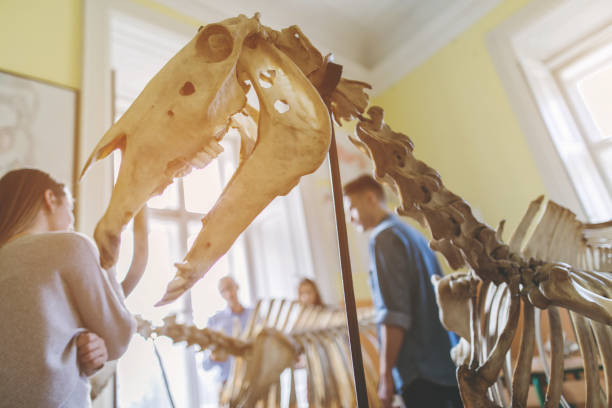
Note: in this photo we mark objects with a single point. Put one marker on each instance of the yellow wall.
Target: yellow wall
(456, 112)
(42, 39)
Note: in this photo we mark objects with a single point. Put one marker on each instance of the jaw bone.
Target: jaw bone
(173, 125)
(176, 122)
(294, 133)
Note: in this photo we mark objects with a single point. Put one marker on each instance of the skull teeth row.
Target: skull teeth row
(202, 158)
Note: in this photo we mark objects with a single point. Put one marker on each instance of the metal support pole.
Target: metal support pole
(332, 77)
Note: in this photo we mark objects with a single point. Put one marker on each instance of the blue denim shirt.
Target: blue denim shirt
(227, 322)
(401, 265)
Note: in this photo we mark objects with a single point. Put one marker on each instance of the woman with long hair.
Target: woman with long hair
(62, 314)
(308, 293)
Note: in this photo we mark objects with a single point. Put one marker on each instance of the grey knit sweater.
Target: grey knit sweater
(52, 288)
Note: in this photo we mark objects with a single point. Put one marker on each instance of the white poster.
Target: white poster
(37, 127)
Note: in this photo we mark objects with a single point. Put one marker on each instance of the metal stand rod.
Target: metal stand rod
(333, 74)
(347, 277)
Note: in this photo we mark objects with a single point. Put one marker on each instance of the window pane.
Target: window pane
(139, 374)
(168, 200)
(202, 188)
(140, 381)
(605, 161)
(596, 90)
(589, 185)
(164, 250)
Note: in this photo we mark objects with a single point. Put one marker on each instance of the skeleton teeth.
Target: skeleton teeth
(210, 151)
(206, 155)
(216, 146)
(201, 160)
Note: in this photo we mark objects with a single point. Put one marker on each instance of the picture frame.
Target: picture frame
(39, 127)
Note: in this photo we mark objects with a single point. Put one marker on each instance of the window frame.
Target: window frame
(528, 50)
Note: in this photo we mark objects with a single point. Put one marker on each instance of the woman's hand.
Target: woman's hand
(91, 352)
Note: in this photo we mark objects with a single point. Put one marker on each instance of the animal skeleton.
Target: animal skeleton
(277, 333)
(177, 120)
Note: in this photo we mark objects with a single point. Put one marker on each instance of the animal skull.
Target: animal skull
(176, 123)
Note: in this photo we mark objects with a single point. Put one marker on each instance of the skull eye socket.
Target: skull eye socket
(215, 43)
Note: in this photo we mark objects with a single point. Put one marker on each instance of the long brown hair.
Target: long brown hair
(313, 285)
(21, 197)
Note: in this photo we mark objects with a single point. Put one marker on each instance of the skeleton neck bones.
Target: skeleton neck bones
(176, 122)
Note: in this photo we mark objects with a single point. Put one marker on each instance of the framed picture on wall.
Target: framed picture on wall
(38, 127)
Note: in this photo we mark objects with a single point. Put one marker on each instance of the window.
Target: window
(268, 260)
(556, 74)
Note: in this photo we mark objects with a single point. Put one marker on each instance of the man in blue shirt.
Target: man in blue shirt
(414, 347)
(231, 321)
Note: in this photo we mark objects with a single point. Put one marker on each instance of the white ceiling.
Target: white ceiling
(376, 40)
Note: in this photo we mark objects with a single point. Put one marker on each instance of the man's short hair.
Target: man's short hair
(364, 183)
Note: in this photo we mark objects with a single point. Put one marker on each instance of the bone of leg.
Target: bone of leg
(603, 335)
(164, 131)
(561, 290)
(522, 370)
(289, 145)
(555, 381)
(519, 234)
(589, 357)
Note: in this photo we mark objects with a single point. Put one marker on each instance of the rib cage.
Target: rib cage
(277, 333)
(556, 237)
